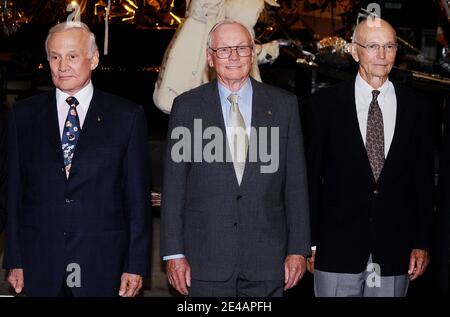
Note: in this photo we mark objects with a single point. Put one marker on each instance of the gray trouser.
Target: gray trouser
(365, 284)
(236, 286)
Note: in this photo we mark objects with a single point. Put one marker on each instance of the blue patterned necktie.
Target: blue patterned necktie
(71, 133)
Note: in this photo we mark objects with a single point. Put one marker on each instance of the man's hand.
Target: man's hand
(15, 279)
(130, 284)
(310, 262)
(294, 268)
(418, 262)
(179, 275)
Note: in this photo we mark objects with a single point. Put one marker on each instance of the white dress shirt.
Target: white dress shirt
(84, 97)
(388, 105)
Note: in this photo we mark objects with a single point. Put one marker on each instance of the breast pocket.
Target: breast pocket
(107, 157)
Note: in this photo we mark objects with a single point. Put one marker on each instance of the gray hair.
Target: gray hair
(226, 22)
(66, 26)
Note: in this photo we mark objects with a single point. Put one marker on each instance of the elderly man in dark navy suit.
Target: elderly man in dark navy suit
(78, 182)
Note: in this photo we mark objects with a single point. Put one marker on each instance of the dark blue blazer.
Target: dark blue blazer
(352, 215)
(99, 218)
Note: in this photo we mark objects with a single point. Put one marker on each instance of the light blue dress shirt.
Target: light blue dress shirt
(245, 98)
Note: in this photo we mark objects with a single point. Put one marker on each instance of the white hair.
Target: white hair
(226, 22)
(66, 26)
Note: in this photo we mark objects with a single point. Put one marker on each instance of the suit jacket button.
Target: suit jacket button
(68, 201)
(238, 197)
(376, 192)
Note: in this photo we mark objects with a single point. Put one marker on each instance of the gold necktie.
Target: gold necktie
(238, 139)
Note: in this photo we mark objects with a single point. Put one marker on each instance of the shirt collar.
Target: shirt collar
(84, 97)
(366, 89)
(242, 93)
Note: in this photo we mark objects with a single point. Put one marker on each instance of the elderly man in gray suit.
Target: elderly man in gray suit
(235, 215)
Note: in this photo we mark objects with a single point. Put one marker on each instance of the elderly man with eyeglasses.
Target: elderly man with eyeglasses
(230, 227)
(370, 168)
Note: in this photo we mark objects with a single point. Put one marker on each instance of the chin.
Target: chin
(380, 73)
(235, 76)
(66, 89)
(65, 86)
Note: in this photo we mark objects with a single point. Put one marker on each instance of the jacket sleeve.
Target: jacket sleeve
(314, 157)
(442, 225)
(138, 197)
(296, 190)
(423, 177)
(14, 193)
(3, 151)
(174, 185)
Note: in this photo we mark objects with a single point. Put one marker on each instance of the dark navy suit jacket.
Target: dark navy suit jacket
(99, 218)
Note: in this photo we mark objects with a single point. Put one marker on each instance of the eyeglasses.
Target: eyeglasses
(225, 52)
(373, 48)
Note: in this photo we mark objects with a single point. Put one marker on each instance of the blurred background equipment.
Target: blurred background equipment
(184, 65)
(8, 17)
(301, 43)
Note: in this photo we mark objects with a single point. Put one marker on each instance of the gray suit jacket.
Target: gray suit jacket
(220, 226)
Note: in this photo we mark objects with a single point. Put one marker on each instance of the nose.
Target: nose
(234, 54)
(382, 52)
(62, 64)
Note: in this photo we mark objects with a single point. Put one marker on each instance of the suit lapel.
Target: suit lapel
(354, 130)
(212, 110)
(212, 117)
(399, 127)
(262, 116)
(51, 127)
(91, 130)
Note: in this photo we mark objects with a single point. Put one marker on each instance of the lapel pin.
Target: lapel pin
(99, 119)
